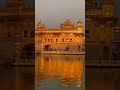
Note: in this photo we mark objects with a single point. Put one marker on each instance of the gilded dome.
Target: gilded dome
(67, 24)
(40, 25)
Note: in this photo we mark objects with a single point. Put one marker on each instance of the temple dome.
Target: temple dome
(67, 24)
(79, 24)
(41, 25)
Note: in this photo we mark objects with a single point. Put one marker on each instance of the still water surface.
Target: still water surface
(17, 78)
(102, 78)
(62, 74)
(59, 72)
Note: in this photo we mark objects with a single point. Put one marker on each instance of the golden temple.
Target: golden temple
(69, 39)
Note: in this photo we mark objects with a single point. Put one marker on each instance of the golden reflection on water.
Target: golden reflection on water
(67, 69)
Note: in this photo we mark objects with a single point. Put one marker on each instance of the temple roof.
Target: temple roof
(67, 24)
(41, 25)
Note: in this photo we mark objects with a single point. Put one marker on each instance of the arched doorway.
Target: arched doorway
(48, 48)
(105, 53)
(79, 48)
(28, 52)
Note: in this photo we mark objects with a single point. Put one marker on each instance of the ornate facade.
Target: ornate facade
(69, 38)
(116, 43)
(100, 20)
(16, 31)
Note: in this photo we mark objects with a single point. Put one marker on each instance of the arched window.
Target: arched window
(87, 33)
(9, 34)
(105, 53)
(25, 34)
(32, 34)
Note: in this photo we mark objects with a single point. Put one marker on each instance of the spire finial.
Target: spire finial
(68, 18)
(40, 20)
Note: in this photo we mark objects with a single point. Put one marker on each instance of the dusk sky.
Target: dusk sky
(55, 12)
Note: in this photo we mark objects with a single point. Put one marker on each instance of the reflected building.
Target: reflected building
(116, 43)
(68, 70)
(16, 30)
(100, 20)
(69, 38)
(107, 79)
(17, 78)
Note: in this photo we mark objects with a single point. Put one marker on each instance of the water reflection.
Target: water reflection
(59, 72)
(102, 78)
(16, 78)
